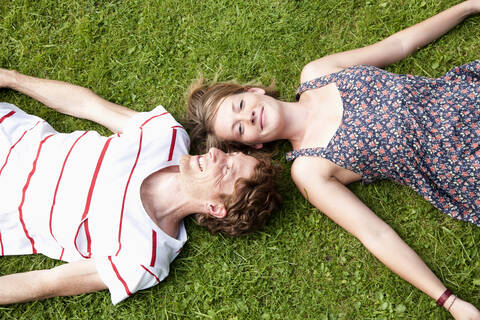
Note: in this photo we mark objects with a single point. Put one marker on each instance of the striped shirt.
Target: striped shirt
(77, 195)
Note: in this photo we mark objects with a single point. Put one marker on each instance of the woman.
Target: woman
(355, 122)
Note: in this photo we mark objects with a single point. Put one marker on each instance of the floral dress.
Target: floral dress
(417, 131)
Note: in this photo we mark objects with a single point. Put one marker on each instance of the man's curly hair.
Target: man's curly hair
(250, 205)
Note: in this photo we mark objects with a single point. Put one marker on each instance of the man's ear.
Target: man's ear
(256, 146)
(216, 209)
(256, 90)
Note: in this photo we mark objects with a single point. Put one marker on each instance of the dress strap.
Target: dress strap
(306, 152)
(316, 83)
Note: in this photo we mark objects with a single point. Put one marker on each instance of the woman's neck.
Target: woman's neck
(297, 116)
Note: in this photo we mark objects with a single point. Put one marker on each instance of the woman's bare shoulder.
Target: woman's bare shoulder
(306, 168)
(318, 68)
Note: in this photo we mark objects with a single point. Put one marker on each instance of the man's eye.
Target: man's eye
(226, 169)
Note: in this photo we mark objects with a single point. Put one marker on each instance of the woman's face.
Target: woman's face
(250, 117)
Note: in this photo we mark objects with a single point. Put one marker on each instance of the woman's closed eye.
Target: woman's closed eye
(240, 129)
(237, 129)
(242, 105)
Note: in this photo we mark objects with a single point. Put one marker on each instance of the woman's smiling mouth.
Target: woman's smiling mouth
(261, 118)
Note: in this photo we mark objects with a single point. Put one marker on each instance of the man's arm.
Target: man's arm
(69, 99)
(66, 280)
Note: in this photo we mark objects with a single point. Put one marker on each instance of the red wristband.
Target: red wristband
(445, 295)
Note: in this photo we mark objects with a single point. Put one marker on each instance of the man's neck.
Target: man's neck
(164, 200)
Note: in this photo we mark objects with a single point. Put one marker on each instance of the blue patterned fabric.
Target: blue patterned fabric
(417, 131)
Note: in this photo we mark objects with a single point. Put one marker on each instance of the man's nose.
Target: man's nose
(215, 154)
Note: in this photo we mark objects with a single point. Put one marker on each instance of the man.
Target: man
(111, 206)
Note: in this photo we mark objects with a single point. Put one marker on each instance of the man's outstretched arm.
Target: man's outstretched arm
(66, 280)
(69, 99)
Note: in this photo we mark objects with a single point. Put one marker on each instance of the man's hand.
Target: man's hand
(69, 99)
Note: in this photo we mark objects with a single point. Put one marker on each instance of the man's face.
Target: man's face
(207, 176)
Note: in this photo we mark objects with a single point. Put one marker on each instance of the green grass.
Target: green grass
(141, 53)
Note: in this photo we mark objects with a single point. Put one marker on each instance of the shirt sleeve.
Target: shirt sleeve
(162, 135)
(123, 277)
(140, 119)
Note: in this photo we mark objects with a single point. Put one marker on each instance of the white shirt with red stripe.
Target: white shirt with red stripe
(77, 195)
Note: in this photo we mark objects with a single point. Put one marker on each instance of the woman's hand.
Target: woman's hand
(475, 5)
(6, 78)
(396, 47)
(462, 310)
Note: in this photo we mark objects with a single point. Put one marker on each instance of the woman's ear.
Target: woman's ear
(256, 146)
(256, 90)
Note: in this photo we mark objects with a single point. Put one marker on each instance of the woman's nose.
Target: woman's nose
(249, 117)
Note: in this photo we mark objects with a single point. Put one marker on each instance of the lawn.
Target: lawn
(141, 53)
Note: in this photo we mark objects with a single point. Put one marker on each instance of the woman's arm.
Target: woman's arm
(397, 46)
(68, 99)
(343, 207)
(65, 280)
